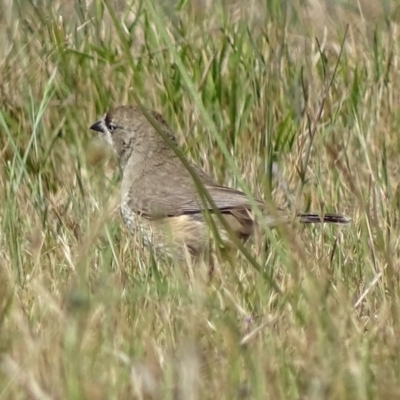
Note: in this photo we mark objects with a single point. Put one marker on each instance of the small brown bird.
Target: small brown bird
(159, 198)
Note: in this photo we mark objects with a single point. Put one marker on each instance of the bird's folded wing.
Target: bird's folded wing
(223, 199)
(191, 202)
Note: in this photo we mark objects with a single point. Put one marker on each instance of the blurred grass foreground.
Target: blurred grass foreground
(304, 98)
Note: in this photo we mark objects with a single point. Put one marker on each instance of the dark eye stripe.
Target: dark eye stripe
(107, 120)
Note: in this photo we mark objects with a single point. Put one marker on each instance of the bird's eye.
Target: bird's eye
(111, 127)
(109, 123)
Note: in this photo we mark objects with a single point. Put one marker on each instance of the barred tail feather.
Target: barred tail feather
(306, 218)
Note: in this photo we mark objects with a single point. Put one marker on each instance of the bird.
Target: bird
(160, 198)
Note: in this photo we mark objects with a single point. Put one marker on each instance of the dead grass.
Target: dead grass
(85, 312)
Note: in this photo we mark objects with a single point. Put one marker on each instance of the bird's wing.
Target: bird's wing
(187, 200)
(225, 200)
(177, 194)
(230, 202)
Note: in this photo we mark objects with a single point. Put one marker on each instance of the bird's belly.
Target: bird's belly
(177, 236)
(174, 236)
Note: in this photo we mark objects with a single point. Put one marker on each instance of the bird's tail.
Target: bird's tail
(306, 218)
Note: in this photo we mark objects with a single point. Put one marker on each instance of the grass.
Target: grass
(86, 313)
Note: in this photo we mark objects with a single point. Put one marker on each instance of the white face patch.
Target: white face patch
(105, 134)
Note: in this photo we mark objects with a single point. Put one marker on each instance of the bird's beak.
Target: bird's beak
(98, 126)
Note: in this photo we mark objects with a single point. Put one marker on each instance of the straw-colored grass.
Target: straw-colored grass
(308, 89)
